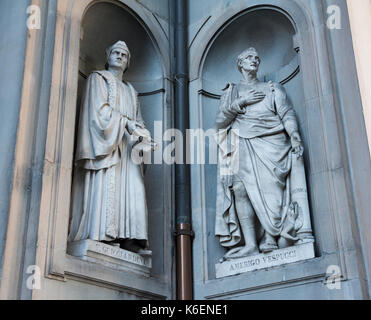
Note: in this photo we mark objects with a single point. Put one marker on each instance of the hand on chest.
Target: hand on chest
(259, 97)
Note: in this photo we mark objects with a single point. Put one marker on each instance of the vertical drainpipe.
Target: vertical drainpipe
(182, 173)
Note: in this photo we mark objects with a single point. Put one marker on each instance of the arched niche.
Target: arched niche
(84, 29)
(104, 24)
(302, 65)
(269, 31)
(273, 35)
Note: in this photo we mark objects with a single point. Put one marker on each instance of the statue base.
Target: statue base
(265, 260)
(111, 256)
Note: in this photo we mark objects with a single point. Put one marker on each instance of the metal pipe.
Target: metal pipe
(182, 173)
(184, 262)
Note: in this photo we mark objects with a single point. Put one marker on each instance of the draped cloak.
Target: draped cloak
(257, 148)
(108, 194)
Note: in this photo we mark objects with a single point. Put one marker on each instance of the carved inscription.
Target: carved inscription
(268, 260)
(263, 260)
(119, 253)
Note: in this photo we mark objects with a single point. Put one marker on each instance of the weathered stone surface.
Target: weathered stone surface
(111, 129)
(260, 170)
(261, 261)
(110, 255)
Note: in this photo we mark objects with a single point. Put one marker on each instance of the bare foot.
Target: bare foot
(268, 247)
(268, 244)
(231, 252)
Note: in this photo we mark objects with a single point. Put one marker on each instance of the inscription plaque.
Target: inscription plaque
(111, 256)
(268, 260)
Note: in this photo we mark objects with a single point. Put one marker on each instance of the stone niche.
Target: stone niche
(103, 25)
(274, 37)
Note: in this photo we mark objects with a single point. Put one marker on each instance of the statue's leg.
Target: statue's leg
(246, 217)
(268, 244)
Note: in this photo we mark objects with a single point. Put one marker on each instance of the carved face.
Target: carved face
(250, 61)
(118, 59)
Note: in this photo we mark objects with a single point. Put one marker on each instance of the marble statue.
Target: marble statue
(262, 202)
(108, 196)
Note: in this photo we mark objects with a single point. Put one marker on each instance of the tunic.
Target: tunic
(262, 160)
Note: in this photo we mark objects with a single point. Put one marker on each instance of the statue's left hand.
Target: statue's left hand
(140, 125)
(133, 126)
(142, 133)
(297, 144)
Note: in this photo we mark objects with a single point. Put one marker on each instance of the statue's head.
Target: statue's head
(118, 56)
(248, 60)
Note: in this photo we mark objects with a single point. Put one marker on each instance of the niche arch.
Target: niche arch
(70, 68)
(281, 65)
(103, 24)
(303, 71)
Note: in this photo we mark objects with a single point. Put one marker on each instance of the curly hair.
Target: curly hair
(243, 55)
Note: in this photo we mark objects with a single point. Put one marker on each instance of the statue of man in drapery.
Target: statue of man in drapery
(260, 170)
(108, 196)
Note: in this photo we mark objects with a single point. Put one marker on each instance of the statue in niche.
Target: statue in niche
(108, 196)
(262, 202)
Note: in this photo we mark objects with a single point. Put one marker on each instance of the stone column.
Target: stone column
(360, 24)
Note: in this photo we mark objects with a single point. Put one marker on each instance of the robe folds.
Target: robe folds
(108, 194)
(257, 148)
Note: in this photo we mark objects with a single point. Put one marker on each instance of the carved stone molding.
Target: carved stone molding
(56, 191)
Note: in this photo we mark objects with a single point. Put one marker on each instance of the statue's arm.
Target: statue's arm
(101, 128)
(138, 126)
(98, 93)
(228, 108)
(288, 118)
(139, 113)
(285, 110)
(106, 114)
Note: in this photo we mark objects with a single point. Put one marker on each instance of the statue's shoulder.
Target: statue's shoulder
(131, 87)
(229, 85)
(102, 73)
(98, 76)
(128, 84)
(276, 86)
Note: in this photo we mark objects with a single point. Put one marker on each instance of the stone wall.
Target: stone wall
(12, 55)
(322, 93)
(39, 101)
(39, 201)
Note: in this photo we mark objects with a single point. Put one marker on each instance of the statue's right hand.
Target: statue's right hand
(131, 126)
(250, 98)
(236, 107)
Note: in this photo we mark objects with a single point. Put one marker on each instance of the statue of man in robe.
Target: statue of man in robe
(108, 196)
(255, 209)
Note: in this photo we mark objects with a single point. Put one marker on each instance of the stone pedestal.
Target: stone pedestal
(111, 256)
(262, 261)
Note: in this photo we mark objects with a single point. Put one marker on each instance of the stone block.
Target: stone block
(276, 258)
(111, 256)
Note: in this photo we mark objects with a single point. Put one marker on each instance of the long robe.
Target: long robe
(108, 196)
(262, 160)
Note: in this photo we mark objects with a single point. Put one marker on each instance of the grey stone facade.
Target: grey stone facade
(322, 93)
(43, 75)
